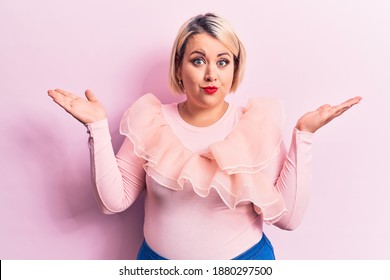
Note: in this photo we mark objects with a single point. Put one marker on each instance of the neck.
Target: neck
(201, 117)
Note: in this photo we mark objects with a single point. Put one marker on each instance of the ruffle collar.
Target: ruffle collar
(233, 167)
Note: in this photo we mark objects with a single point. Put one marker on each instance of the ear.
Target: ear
(178, 73)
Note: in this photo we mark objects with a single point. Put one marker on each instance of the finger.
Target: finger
(55, 95)
(60, 97)
(90, 96)
(352, 101)
(62, 103)
(341, 108)
(349, 103)
(62, 92)
(339, 111)
(66, 93)
(51, 93)
(62, 100)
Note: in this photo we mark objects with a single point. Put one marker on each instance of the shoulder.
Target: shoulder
(260, 109)
(146, 100)
(142, 113)
(267, 104)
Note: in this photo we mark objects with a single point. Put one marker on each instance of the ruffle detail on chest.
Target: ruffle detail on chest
(233, 167)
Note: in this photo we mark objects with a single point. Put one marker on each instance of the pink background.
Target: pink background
(306, 52)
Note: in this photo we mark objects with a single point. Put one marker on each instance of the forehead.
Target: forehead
(207, 44)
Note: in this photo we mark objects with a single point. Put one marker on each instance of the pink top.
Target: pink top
(208, 189)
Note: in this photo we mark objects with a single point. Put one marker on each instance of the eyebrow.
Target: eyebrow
(204, 54)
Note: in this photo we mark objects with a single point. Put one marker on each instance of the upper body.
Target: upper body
(208, 189)
(270, 184)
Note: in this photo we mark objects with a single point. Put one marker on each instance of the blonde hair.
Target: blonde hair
(220, 29)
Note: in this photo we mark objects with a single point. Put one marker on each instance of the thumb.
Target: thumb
(90, 96)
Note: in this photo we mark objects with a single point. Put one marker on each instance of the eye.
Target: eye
(223, 62)
(198, 61)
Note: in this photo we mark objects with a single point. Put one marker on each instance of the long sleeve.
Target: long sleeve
(117, 179)
(294, 179)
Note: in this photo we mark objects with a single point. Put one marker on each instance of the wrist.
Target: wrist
(304, 128)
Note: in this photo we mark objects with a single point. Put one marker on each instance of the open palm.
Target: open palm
(314, 120)
(84, 110)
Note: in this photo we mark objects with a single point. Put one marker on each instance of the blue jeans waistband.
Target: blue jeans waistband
(262, 250)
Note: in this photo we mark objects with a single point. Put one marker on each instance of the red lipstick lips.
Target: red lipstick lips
(210, 90)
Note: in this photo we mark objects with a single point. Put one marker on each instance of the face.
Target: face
(207, 71)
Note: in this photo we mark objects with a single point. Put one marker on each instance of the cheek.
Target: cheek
(228, 77)
(191, 75)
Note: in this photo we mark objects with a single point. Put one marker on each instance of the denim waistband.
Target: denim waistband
(147, 253)
(262, 250)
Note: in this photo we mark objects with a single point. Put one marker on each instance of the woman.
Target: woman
(213, 172)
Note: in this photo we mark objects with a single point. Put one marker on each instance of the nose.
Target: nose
(211, 74)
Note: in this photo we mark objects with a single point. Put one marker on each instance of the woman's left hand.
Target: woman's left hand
(314, 120)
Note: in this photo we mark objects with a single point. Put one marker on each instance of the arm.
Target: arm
(294, 179)
(117, 180)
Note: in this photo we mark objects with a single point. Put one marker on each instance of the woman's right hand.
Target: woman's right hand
(84, 110)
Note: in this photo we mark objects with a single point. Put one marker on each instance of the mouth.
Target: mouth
(210, 90)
